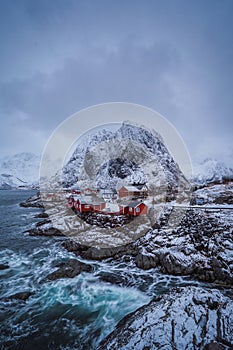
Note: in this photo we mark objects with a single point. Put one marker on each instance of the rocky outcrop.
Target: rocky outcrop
(69, 269)
(33, 202)
(4, 266)
(97, 253)
(47, 232)
(201, 245)
(42, 215)
(21, 296)
(42, 223)
(186, 318)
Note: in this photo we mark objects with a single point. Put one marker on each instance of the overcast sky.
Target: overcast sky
(57, 57)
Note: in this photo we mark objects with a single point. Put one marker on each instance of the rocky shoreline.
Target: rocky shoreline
(201, 246)
(33, 202)
(198, 247)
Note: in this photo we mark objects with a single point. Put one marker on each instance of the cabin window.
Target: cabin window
(86, 206)
(137, 210)
(130, 209)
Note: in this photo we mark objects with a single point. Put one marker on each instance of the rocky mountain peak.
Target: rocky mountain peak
(132, 152)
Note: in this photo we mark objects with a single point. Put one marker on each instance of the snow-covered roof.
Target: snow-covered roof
(97, 202)
(132, 188)
(134, 204)
(124, 204)
(82, 201)
(110, 190)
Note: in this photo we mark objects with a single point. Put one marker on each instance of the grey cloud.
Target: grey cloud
(175, 57)
(131, 73)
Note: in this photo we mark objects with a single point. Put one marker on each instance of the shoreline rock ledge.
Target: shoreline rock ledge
(200, 246)
(186, 318)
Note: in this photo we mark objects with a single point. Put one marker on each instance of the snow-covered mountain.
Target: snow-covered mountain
(131, 154)
(19, 170)
(211, 170)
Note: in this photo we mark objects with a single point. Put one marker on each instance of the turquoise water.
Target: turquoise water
(68, 313)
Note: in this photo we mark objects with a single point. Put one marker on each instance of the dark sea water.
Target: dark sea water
(67, 313)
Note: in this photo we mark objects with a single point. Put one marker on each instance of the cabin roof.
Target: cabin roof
(110, 190)
(97, 202)
(134, 204)
(124, 204)
(82, 201)
(131, 188)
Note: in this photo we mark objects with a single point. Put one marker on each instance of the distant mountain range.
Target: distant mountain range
(211, 170)
(22, 170)
(19, 171)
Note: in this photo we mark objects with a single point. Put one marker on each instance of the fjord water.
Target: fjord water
(67, 313)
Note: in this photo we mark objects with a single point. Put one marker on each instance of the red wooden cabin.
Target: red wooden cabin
(134, 208)
(126, 191)
(133, 191)
(82, 206)
(137, 208)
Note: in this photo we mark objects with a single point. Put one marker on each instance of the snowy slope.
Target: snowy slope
(21, 169)
(211, 170)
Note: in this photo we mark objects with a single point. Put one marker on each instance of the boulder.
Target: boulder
(47, 232)
(42, 215)
(98, 253)
(21, 295)
(69, 269)
(4, 266)
(176, 263)
(146, 261)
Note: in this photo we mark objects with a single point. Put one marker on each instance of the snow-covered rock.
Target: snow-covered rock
(200, 244)
(186, 318)
(20, 170)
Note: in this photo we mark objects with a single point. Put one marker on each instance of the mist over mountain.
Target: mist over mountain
(20, 170)
(211, 170)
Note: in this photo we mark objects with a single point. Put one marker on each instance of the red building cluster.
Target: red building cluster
(132, 208)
